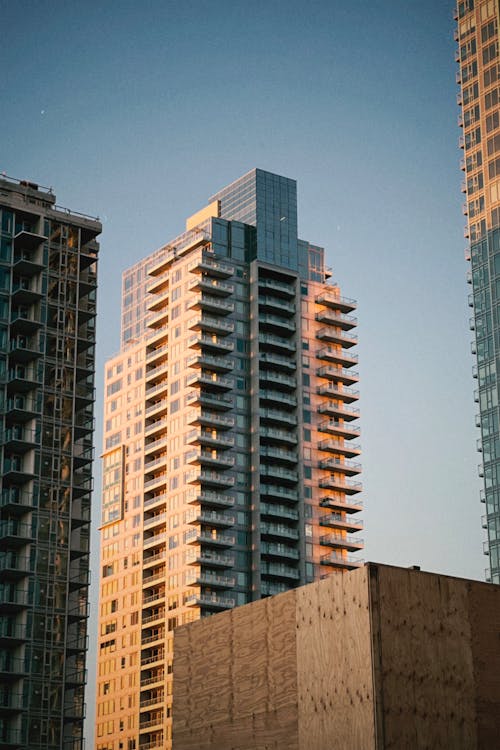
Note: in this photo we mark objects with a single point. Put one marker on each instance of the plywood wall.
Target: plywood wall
(235, 679)
(335, 688)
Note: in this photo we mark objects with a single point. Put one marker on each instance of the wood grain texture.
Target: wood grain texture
(335, 688)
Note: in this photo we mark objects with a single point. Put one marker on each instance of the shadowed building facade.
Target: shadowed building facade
(48, 283)
(230, 469)
(479, 99)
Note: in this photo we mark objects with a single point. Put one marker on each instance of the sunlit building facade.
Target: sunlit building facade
(230, 454)
(48, 283)
(479, 100)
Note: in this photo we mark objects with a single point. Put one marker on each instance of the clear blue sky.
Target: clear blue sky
(139, 111)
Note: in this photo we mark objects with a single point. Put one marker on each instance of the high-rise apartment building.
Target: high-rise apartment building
(479, 99)
(230, 470)
(48, 259)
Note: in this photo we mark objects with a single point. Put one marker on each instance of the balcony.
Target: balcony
(336, 336)
(219, 364)
(13, 600)
(339, 374)
(342, 429)
(340, 521)
(279, 511)
(211, 478)
(338, 560)
(342, 541)
(212, 325)
(211, 439)
(213, 343)
(212, 267)
(210, 601)
(278, 531)
(274, 549)
(272, 435)
(22, 408)
(340, 484)
(279, 492)
(340, 503)
(285, 399)
(278, 570)
(337, 355)
(345, 449)
(279, 455)
(24, 349)
(328, 389)
(336, 318)
(211, 518)
(349, 468)
(276, 323)
(211, 304)
(210, 381)
(211, 538)
(277, 361)
(276, 303)
(210, 458)
(282, 287)
(276, 415)
(20, 439)
(16, 501)
(23, 321)
(211, 400)
(214, 580)
(333, 300)
(338, 409)
(211, 419)
(211, 559)
(11, 667)
(286, 382)
(14, 533)
(276, 472)
(211, 499)
(159, 353)
(213, 286)
(269, 342)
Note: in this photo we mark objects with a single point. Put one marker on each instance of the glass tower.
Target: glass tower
(230, 467)
(48, 259)
(479, 97)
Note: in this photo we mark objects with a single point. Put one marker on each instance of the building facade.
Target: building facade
(48, 281)
(479, 100)
(230, 469)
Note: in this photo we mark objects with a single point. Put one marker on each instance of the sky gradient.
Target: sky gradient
(138, 112)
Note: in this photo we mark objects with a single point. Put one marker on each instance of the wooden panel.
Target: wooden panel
(335, 689)
(423, 660)
(235, 679)
(484, 616)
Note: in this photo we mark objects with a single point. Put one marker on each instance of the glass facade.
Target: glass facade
(48, 282)
(479, 79)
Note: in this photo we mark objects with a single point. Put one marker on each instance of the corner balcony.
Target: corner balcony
(210, 439)
(338, 374)
(340, 561)
(333, 300)
(212, 343)
(208, 361)
(211, 518)
(340, 521)
(210, 381)
(340, 485)
(211, 559)
(342, 429)
(211, 459)
(210, 601)
(337, 355)
(336, 336)
(333, 391)
(210, 499)
(211, 478)
(213, 286)
(338, 409)
(212, 267)
(341, 504)
(211, 419)
(336, 318)
(342, 541)
(210, 400)
(349, 468)
(277, 570)
(350, 450)
(211, 304)
(273, 549)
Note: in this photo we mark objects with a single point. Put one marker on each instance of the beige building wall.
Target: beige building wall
(381, 657)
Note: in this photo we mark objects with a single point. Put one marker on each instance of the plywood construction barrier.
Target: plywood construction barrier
(378, 658)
